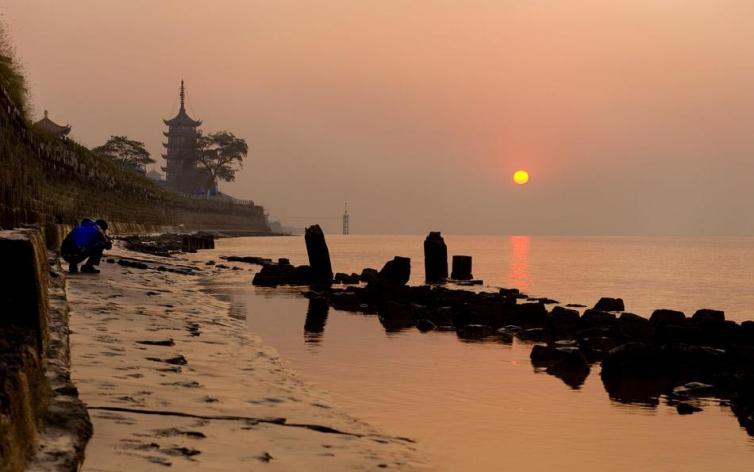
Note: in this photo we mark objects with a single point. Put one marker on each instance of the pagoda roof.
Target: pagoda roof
(182, 118)
(46, 124)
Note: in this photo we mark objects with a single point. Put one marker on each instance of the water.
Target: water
(481, 406)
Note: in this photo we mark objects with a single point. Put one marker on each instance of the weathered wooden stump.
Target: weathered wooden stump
(435, 258)
(319, 255)
(461, 268)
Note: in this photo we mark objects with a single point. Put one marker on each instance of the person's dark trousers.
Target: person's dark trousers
(93, 253)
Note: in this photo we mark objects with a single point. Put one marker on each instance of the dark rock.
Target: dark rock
(706, 315)
(424, 325)
(686, 408)
(564, 317)
(596, 347)
(159, 342)
(530, 314)
(461, 268)
(474, 331)
(435, 258)
(508, 291)
(664, 316)
(319, 255)
(610, 304)
(533, 334)
(341, 278)
(634, 327)
(543, 300)
(396, 272)
(248, 259)
(369, 275)
(597, 318)
(543, 356)
(573, 369)
(575, 305)
(284, 261)
(692, 389)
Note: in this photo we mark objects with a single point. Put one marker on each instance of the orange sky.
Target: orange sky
(632, 116)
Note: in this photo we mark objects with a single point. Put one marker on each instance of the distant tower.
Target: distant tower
(346, 229)
(180, 156)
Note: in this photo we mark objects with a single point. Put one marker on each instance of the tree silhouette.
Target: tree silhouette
(220, 156)
(125, 152)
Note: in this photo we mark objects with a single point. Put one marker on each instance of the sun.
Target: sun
(520, 177)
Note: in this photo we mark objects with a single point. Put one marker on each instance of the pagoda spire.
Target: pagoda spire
(183, 96)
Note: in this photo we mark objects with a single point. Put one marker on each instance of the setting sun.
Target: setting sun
(521, 177)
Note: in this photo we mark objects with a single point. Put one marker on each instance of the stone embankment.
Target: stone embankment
(43, 425)
(47, 182)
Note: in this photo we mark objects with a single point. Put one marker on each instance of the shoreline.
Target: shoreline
(172, 377)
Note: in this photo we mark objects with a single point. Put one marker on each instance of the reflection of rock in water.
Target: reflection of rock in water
(566, 362)
(641, 391)
(395, 317)
(316, 318)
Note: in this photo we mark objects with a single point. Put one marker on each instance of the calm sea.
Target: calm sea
(482, 406)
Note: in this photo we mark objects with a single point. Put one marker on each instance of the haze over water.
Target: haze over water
(480, 405)
(632, 116)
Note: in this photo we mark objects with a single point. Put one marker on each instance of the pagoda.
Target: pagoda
(180, 170)
(49, 126)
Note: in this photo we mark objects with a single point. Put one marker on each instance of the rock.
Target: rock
(474, 331)
(396, 272)
(319, 255)
(284, 261)
(634, 327)
(530, 314)
(424, 325)
(610, 304)
(533, 334)
(573, 369)
(435, 258)
(543, 300)
(248, 259)
(543, 356)
(505, 336)
(692, 389)
(597, 318)
(159, 342)
(342, 278)
(707, 315)
(597, 347)
(369, 275)
(564, 316)
(664, 316)
(686, 408)
(508, 291)
(461, 268)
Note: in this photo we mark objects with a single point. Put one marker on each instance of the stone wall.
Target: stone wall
(42, 421)
(46, 181)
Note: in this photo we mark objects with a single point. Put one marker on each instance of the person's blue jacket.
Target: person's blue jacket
(86, 234)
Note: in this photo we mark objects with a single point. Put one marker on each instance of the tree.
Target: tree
(126, 152)
(220, 156)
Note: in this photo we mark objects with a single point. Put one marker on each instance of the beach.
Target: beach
(172, 377)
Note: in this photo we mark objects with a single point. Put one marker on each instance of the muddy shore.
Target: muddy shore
(172, 378)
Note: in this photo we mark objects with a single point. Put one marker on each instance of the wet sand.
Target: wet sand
(172, 378)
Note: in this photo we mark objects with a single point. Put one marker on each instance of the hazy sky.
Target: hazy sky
(632, 116)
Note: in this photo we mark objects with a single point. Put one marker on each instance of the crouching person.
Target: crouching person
(85, 243)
